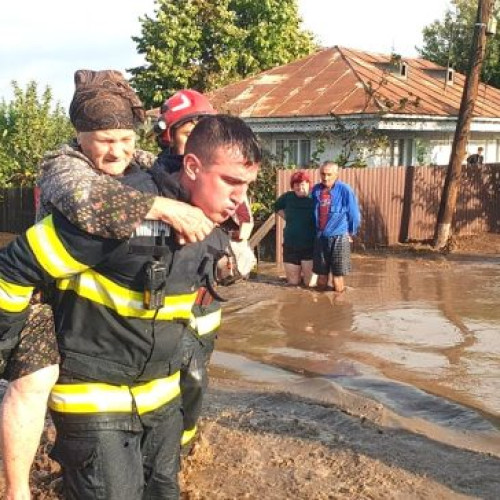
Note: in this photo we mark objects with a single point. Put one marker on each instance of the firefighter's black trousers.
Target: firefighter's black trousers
(194, 375)
(120, 457)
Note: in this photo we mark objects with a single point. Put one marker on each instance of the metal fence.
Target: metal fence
(400, 204)
(17, 209)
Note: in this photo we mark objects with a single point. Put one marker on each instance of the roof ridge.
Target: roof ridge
(371, 96)
(342, 81)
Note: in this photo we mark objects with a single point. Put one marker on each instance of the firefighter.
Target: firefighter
(178, 116)
(72, 182)
(117, 397)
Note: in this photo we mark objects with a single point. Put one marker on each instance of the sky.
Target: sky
(47, 41)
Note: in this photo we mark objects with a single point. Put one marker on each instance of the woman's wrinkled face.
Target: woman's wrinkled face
(111, 151)
(301, 189)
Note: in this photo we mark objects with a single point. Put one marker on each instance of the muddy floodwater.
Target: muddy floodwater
(420, 337)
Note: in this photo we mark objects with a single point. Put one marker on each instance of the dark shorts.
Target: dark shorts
(294, 255)
(332, 255)
(37, 347)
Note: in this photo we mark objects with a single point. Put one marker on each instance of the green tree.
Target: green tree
(205, 44)
(262, 192)
(357, 143)
(448, 42)
(146, 139)
(30, 125)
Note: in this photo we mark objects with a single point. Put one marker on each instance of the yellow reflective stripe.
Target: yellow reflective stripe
(14, 298)
(188, 435)
(207, 323)
(50, 252)
(94, 400)
(96, 287)
(158, 393)
(106, 398)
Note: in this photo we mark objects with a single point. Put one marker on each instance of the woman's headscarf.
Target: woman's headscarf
(104, 100)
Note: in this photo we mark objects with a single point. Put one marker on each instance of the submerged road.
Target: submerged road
(419, 336)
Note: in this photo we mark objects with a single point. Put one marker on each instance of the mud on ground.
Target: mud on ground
(256, 443)
(259, 444)
(481, 244)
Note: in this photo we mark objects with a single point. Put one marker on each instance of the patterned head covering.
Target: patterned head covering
(104, 100)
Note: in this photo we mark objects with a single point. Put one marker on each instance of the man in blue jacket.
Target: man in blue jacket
(337, 220)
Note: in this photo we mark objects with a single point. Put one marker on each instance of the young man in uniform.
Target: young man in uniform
(178, 117)
(72, 180)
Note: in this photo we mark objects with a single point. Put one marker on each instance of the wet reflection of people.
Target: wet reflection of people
(314, 328)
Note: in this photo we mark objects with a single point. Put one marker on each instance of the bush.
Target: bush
(29, 126)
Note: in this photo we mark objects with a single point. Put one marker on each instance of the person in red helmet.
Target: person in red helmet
(178, 116)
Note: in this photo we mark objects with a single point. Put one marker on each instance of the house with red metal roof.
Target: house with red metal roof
(315, 108)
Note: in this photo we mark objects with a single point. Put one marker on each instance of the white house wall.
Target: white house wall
(437, 147)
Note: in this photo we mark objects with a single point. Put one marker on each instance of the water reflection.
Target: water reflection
(434, 325)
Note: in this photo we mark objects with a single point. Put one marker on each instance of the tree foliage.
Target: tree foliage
(262, 192)
(205, 44)
(357, 143)
(448, 42)
(30, 125)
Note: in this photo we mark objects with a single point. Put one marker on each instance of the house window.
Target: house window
(403, 70)
(280, 151)
(305, 153)
(293, 152)
(450, 76)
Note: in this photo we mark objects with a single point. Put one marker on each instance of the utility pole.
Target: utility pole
(451, 184)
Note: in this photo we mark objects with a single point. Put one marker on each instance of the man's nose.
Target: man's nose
(239, 192)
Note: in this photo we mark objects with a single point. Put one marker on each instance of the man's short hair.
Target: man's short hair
(213, 132)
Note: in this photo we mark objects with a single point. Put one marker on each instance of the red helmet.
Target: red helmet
(183, 106)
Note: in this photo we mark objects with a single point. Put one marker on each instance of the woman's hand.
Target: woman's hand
(189, 222)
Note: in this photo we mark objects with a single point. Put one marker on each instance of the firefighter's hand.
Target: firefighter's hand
(189, 222)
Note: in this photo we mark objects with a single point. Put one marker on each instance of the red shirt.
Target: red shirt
(324, 207)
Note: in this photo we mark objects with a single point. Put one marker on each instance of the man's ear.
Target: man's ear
(191, 165)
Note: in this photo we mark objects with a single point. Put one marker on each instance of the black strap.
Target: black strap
(207, 272)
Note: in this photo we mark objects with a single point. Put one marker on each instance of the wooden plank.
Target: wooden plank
(260, 234)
